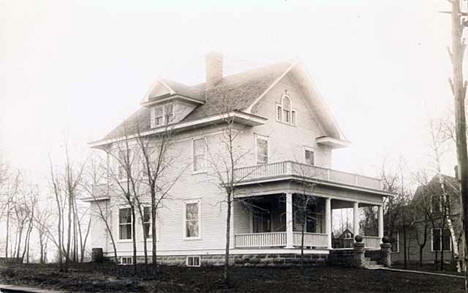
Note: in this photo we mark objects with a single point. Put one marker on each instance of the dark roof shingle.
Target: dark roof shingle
(233, 92)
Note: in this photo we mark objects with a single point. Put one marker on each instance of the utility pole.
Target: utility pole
(458, 86)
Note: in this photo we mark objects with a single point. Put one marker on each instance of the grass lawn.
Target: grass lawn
(112, 278)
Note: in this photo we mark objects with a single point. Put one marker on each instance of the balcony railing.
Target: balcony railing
(289, 168)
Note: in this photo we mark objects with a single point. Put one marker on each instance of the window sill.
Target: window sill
(286, 123)
(124, 241)
(192, 238)
(199, 172)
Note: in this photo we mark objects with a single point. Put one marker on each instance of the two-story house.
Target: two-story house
(286, 135)
(429, 236)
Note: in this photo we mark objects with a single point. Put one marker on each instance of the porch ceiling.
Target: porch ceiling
(342, 197)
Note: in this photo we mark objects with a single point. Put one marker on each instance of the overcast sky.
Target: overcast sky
(75, 69)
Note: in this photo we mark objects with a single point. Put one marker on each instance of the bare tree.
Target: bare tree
(458, 85)
(439, 140)
(397, 214)
(95, 175)
(224, 157)
(126, 175)
(156, 162)
(42, 222)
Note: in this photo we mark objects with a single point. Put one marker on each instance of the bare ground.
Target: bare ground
(112, 278)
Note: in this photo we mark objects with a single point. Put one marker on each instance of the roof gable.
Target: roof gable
(237, 92)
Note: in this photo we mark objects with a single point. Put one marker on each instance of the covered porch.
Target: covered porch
(279, 220)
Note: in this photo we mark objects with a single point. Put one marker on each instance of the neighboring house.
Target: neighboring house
(427, 198)
(288, 135)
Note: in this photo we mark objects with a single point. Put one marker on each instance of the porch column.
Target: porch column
(381, 225)
(289, 221)
(356, 218)
(328, 224)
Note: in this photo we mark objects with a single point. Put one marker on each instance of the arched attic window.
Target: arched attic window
(284, 111)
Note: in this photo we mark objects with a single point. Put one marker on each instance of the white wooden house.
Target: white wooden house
(288, 137)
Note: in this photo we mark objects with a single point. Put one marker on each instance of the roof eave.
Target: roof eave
(171, 97)
(238, 116)
(332, 142)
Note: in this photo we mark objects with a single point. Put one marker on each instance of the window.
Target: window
(279, 113)
(199, 154)
(125, 224)
(156, 116)
(192, 219)
(162, 115)
(440, 240)
(192, 261)
(126, 260)
(147, 221)
(309, 157)
(169, 113)
(284, 111)
(262, 150)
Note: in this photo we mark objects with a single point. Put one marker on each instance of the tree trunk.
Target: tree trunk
(405, 257)
(134, 240)
(453, 236)
(7, 231)
(228, 237)
(459, 91)
(153, 226)
(421, 255)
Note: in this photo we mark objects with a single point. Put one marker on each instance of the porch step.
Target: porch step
(374, 267)
(371, 264)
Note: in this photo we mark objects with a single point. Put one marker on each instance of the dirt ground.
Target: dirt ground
(112, 278)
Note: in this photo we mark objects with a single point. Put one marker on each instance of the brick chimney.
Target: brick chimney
(214, 68)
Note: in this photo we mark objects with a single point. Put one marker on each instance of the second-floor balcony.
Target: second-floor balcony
(295, 170)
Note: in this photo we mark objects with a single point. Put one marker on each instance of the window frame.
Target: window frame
(166, 119)
(126, 224)
(309, 149)
(266, 138)
(184, 221)
(126, 262)
(193, 257)
(281, 112)
(204, 168)
(164, 115)
(441, 240)
(150, 236)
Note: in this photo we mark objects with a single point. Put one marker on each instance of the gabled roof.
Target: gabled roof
(163, 88)
(237, 92)
(433, 188)
(242, 88)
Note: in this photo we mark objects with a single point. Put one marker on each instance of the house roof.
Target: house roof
(433, 187)
(238, 92)
(242, 89)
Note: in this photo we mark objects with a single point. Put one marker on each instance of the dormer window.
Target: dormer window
(162, 115)
(169, 113)
(284, 111)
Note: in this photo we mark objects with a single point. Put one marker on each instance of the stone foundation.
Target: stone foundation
(245, 260)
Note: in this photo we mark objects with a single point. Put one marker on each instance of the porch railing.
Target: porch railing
(311, 239)
(289, 168)
(270, 239)
(371, 241)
